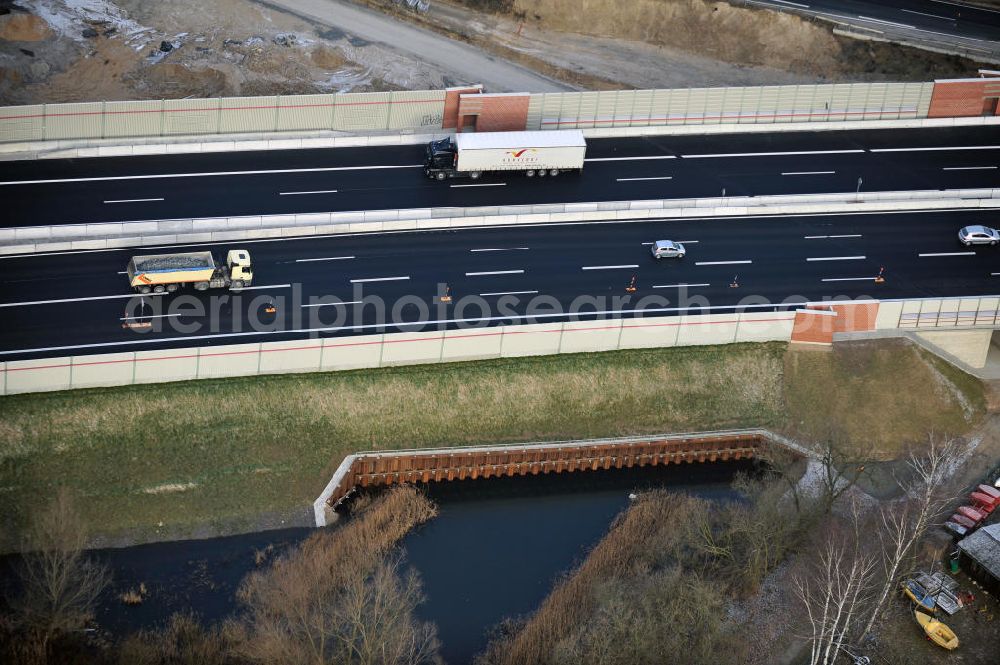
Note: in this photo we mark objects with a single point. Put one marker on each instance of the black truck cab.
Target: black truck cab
(440, 158)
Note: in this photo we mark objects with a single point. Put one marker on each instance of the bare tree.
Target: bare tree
(183, 641)
(834, 589)
(902, 526)
(59, 583)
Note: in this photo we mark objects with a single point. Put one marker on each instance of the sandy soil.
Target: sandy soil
(90, 50)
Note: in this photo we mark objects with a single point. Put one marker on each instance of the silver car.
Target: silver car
(978, 235)
(668, 249)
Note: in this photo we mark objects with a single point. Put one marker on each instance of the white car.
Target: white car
(978, 235)
(667, 249)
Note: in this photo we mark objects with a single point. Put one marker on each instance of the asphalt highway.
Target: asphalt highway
(72, 191)
(79, 303)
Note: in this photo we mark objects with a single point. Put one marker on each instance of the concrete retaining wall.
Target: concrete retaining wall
(384, 350)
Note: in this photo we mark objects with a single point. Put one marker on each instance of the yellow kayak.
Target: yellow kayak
(940, 634)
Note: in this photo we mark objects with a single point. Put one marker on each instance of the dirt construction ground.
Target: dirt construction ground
(93, 50)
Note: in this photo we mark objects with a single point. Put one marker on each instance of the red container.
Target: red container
(982, 502)
(972, 514)
(990, 491)
(963, 520)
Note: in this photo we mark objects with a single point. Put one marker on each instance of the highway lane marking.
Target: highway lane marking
(494, 272)
(608, 267)
(849, 279)
(334, 304)
(994, 274)
(849, 235)
(676, 286)
(947, 254)
(968, 168)
(83, 299)
(499, 249)
(943, 18)
(265, 286)
(508, 293)
(682, 242)
(325, 258)
(664, 177)
(938, 148)
(629, 159)
(483, 184)
(132, 200)
(892, 23)
(791, 4)
(808, 172)
(379, 279)
(206, 174)
(151, 316)
(774, 154)
(721, 263)
(836, 258)
(319, 191)
(963, 6)
(410, 324)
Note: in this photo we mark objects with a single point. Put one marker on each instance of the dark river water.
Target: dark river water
(493, 551)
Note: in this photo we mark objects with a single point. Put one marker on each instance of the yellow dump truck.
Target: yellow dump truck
(168, 272)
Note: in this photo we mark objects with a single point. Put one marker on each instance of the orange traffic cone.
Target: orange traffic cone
(631, 288)
(735, 284)
(446, 297)
(880, 277)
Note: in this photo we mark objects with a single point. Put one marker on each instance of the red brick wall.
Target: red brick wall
(815, 328)
(858, 317)
(497, 113)
(452, 96)
(956, 99)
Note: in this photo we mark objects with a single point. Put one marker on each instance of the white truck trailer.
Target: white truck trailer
(532, 153)
(168, 272)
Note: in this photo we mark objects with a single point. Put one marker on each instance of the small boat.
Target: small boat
(917, 593)
(963, 520)
(983, 502)
(971, 513)
(991, 491)
(937, 632)
(956, 529)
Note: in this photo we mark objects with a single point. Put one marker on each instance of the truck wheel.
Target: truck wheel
(541, 173)
(530, 173)
(475, 175)
(159, 288)
(440, 175)
(554, 172)
(237, 284)
(144, 289)
(201, 286)
(172, 287)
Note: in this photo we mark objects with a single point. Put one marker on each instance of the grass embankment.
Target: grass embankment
(219, 451)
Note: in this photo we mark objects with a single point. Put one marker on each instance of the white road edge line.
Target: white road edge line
(849, 279)
(721, 263)
(379, 279)
(494, 272)
(122, 295)
(836, 258)
(499, 249)
(775, 154)
(940, 148)
(151, 316)
(608, 267)
(892, 23)
(968, 168)
(677, 286)
(334, 304)
(507, 293)
(664, 177)
(266, 286)
(629, 159)
(926, 254)
(808, 172)
(325, 258)
(483, 184)
(319, 191)
(965, 6)
(206, 174)
(793, 4)
(851, 235)
(132, 200)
